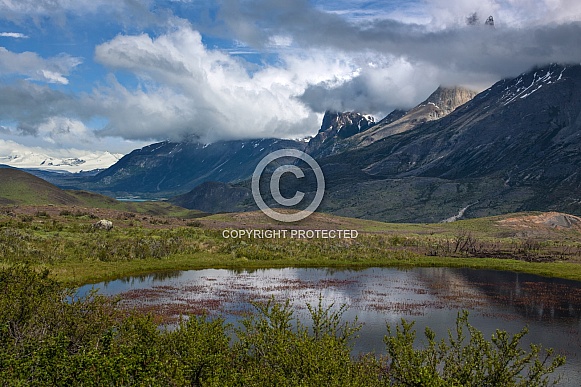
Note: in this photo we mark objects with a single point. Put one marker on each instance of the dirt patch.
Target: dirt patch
(546, 221)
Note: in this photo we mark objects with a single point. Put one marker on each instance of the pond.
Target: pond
(430, 296)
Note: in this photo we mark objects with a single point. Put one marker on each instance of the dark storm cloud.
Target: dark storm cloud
(504, 51)
(470, 55)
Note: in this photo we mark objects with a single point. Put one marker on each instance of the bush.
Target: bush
(463, 361)
(275, 349)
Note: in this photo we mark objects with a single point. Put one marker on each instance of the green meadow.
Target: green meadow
(64, 240)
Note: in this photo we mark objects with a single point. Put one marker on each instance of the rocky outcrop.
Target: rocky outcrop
(336, 127)
(439, 104)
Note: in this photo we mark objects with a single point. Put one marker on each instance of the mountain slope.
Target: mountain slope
(214, 197)
(516, 128)
(439, 104)
(516, 146)
(169, 168)
(21, 188)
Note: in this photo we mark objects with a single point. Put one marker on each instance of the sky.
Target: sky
(114, 75)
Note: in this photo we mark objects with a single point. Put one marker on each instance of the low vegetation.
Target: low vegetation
(50, 337)
(65, 240)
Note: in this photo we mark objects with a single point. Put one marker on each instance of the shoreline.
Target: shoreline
(86, 273)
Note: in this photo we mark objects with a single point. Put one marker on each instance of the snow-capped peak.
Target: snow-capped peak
(20, 156)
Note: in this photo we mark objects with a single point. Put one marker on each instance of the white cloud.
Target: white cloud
(280, 41)
(16, 35)
(188, 90)
(507, 13)
(65, 132)
(379, 86)
(438, 14)
(57, 135)
(31, 65)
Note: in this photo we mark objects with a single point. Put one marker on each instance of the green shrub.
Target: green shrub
(467, 361)
(275, 349)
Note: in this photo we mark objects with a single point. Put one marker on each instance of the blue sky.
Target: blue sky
(96, 75)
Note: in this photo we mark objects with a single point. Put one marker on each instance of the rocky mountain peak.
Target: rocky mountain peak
(439, 104)
(336, 127)
(446, 99)
(345, 124)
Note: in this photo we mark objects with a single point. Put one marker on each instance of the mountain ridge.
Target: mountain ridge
(329, 141)
(443, 101)
(513, 147)
(168, 168)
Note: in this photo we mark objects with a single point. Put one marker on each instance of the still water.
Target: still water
(551, 308)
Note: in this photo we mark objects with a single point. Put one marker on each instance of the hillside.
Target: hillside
(21, 188)
(167, 168)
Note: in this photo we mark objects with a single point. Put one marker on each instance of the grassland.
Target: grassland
(19, 188)
(159, 237)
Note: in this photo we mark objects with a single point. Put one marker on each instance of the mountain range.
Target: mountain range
(169, 168)
(515, 146)
(22, 157)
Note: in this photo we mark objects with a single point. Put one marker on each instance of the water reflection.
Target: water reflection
(430, 296)
(550, 300)
(153, 277)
